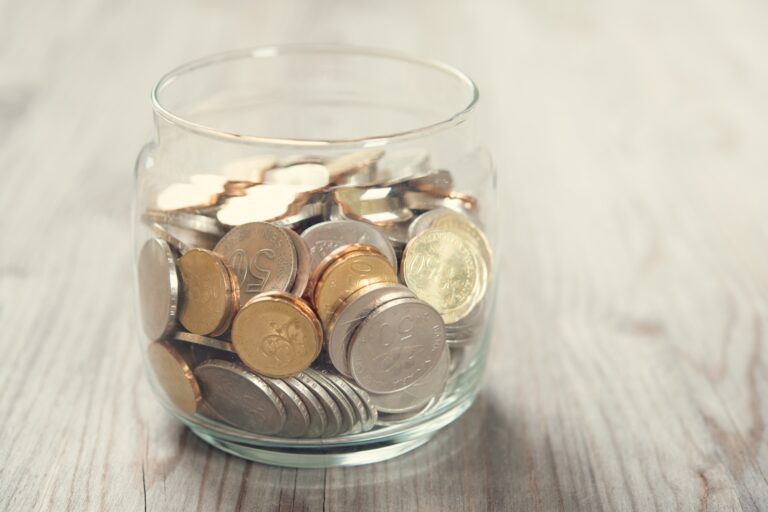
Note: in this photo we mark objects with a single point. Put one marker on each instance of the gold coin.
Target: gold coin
(209, 293)
(175, 376)
(277, 335)
(445, 270)
(348, 271)
(459, 224)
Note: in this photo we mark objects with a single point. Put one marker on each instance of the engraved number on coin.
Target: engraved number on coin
(239, 263)
(397, 353)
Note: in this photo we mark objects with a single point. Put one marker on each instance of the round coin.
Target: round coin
(362, 420)
(304, 265)
(415, 396)
(449, 220)
(259, 203)
(241, 397)
(351, 164)
(332, 411)
(158, 288)
(325, 237)
(296, 413)
(277, 335)
(388, 420)
(318, 419)
(303, 177)
(262, 257)
(348, 315)
(209, 293)
(349, 421)
(175, 377)
(445, 270)
(398, 343)
(204, 341)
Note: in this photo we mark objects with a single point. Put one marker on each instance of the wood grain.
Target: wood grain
(628, 370)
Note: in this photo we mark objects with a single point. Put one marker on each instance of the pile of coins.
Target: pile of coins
(306, 297)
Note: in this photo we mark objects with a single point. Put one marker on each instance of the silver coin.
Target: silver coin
(424, 389)
(357, 167)
(388, 420)
(348, 316)
(372, 413)
(437, 183)
(192, 221)
(241, 397)
(304, 266)
(262, 256)
(307, 214)
(332, 411)
(348, 416)
(397, 233)
(325, 237)
(204, 341)
(398, 343)
(297, 415)
(158, 288)
(164, 234)
(318, 419)
(361, 412)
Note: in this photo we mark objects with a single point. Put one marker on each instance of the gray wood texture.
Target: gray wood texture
(629, 365)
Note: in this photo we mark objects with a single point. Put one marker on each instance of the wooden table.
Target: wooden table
(628, 369)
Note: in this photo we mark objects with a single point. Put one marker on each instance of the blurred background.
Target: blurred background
(628, 367)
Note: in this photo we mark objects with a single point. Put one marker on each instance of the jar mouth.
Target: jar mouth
(171, 114)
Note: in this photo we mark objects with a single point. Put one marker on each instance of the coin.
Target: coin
(158, 288)
(248, 169)
(260, 203)
(241, 397)
(423, 389)
(296, 413)
(186, 220)
(164, 234)
(304, 265)
(209, 293)
(204, 341)
(388, 420)
(400, 341)
(325, 237)
(350, 312)
(372, 413)
(302, 177)
(434, 183)
(332, 411)
(349, 420)
(354, 267)
(186, 195)
(381, 205)
(450, 220)
(362, 420)
(175, 377)
(318, 419)
(277, 335)
(446, 270)
(346, 166)
(262, 257)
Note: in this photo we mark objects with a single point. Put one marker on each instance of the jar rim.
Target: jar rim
(309, 49)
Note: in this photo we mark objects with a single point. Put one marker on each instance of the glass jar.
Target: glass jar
(314, 236)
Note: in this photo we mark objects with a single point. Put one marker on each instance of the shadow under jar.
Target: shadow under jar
(314, 251)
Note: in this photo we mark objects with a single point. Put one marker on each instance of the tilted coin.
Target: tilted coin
(434, 183)
(164, 234)
(325, 237)
(362, 421)
(296, 413)
(450, 220)
(332, 411)
(349, 420)
(186, 220)
(277, 335)
(389, 420)
(304, 264)
(378, 205)
(175, 376)
(446, 270)
(260, 203)
(372, 413)
(249, 169)
(209, 291)
(396, 233)
(318, 419)
(158, 288)
(360, 266)
(241, 397)
(262, 256)
(350, 312)
(347, 166)
(415, 396)
(204, 341)
(303, 177)
(397, 344)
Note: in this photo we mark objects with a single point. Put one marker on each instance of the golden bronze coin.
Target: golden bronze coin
(447, 271)
(209, 293)
(175, 376)
(461, 225)
(350, 270)
(277, 335)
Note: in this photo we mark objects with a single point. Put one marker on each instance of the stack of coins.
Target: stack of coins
(311, 297)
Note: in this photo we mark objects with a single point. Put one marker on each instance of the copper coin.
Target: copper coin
(158, 288)
(277, 335)
(262, 256)
(175, 377)
(209, 292)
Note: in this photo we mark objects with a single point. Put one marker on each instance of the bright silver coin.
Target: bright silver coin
(332, 411)
(297, 415)
(262, 256)
(388, 420)
(325, 237)
(318, 419)
(372, 413)
(398, 343)
(348, 416)
(355, 309)
(241, 397)
(158, 288)
(423, 390)
(304, 266)
(361, 412)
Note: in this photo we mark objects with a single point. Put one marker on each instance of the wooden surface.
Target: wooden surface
(628, 370)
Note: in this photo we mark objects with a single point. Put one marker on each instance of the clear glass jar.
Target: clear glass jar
(239, 290)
